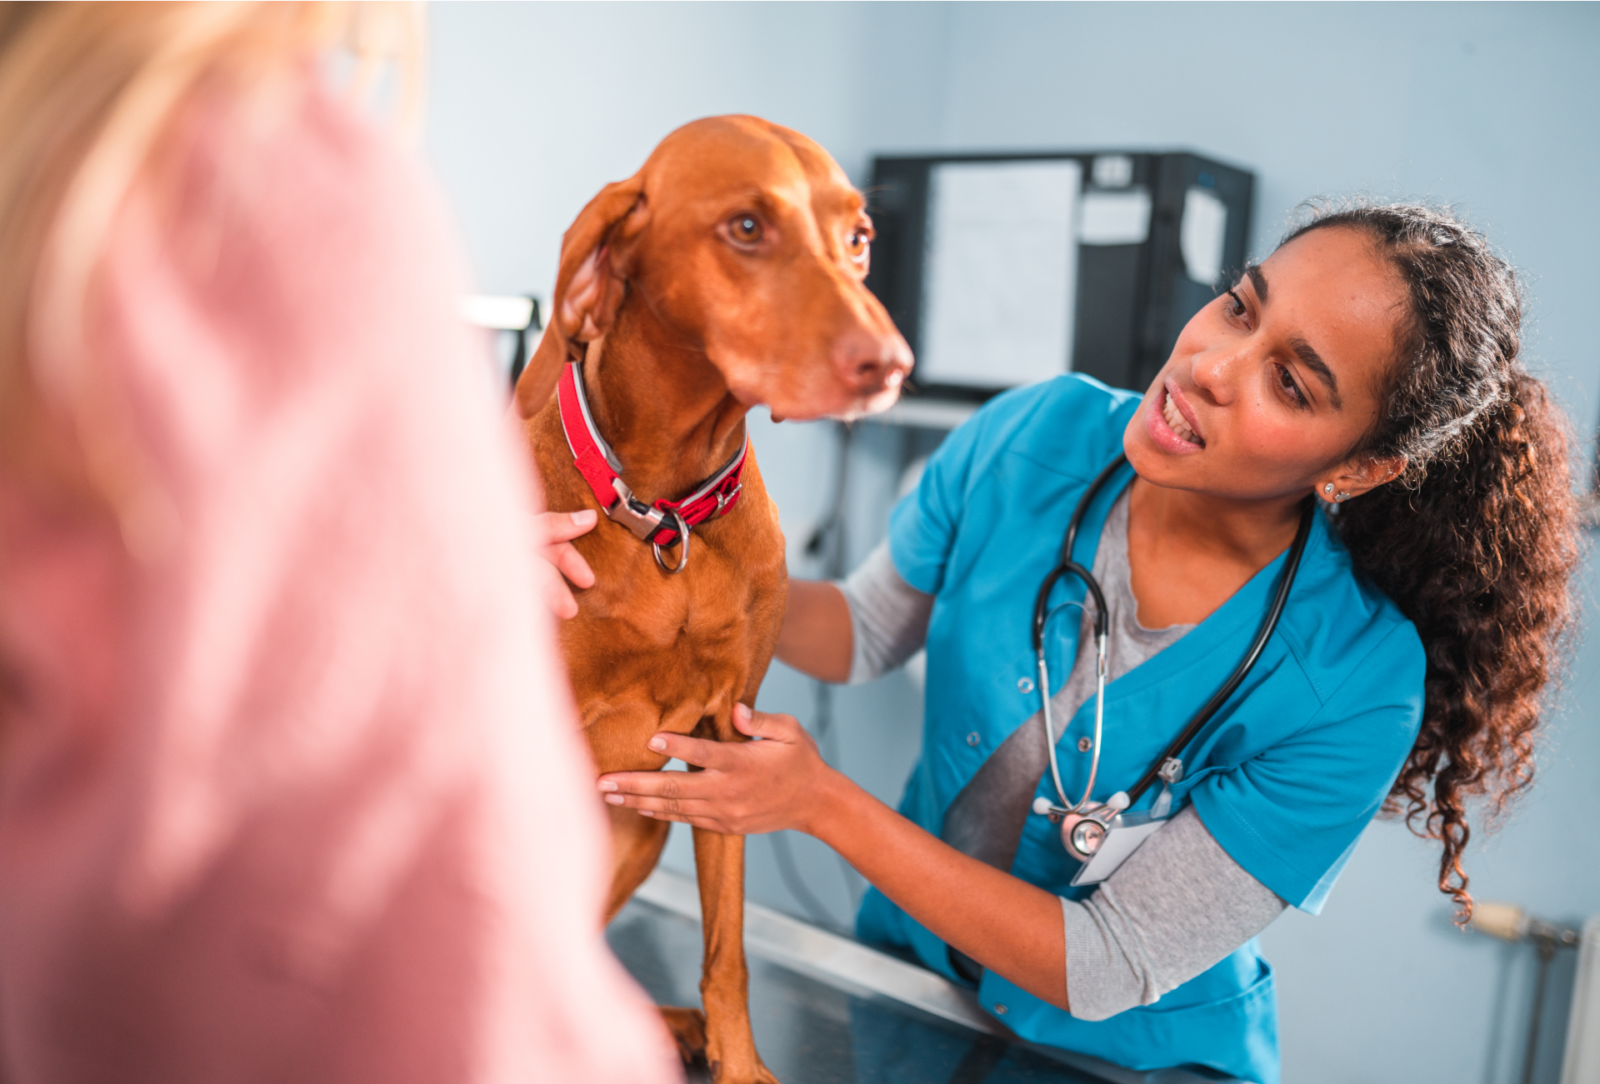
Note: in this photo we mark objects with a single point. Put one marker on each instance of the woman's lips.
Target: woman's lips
(1172, 424)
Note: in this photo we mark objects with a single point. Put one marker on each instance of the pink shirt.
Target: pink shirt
(296, 793)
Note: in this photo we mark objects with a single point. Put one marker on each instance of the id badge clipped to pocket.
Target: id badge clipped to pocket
(1123, 836)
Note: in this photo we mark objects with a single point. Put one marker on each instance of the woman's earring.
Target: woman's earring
(1340, 497)
(1328, 489)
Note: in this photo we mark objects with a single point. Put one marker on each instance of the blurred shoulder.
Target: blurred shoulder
(291, 208)
(288, 239)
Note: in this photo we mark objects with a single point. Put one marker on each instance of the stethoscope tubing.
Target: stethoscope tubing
(1067, 566)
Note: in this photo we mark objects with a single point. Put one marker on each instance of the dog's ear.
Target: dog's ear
(590, 285)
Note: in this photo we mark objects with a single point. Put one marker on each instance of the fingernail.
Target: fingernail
(741, 711)
(658, 743)
(606, 784)
(614, 799)
(583, 518)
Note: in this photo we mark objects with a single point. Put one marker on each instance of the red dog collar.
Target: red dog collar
(663, 523)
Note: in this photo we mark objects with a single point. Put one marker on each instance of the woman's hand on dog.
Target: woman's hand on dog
(562, 564)
(746, 788)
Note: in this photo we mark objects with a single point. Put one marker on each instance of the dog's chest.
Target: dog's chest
(733, 577)
(647, 642)
(690, 637)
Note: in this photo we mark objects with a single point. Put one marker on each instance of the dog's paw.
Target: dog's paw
(688, 1027)
(759, 1074)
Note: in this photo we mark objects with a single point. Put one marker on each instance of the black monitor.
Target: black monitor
(1005, 269)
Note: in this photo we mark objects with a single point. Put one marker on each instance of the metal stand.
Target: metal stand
(1511, 923)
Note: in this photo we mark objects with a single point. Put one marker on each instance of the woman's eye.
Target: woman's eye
(746, 229)
(1234, 304)
(1290, 388)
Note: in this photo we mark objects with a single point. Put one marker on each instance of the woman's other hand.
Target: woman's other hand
(746, 788)
(562, 564)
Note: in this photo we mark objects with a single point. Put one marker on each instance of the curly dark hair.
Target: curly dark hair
(1477, 541)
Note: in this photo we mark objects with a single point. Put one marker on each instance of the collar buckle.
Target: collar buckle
(640, 519)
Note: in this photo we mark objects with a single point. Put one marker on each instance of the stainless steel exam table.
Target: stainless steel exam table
(827, 1010)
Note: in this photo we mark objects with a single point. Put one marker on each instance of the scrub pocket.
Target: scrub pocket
(1235, 1034)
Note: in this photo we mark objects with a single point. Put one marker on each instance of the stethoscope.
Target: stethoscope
(1084, 824)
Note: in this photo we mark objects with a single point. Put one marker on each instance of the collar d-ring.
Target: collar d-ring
(683, 540)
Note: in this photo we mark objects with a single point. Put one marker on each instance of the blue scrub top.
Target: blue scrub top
(1285, 776)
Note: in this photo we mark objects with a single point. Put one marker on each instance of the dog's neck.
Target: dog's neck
(661, 404)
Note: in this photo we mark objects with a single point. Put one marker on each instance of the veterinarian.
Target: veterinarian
(1371, 364)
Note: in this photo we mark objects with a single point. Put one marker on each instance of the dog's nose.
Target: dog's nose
(870, 361)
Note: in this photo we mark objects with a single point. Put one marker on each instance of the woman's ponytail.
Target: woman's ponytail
(1477, 541)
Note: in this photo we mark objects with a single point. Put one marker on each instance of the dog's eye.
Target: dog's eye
(746, 229)
(858, 244)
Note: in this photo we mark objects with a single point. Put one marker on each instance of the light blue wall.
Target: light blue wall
(1492, 107)
(533, 107)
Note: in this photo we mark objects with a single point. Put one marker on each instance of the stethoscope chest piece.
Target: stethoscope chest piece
(1084, 828)
(1082, 835)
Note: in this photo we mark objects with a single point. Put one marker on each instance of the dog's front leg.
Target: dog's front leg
(725, 980)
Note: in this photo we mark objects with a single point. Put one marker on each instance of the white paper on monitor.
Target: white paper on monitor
(1001, 281)
(1116, 218)
(1205, 226)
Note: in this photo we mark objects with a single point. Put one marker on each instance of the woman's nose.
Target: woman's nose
(1215, 373)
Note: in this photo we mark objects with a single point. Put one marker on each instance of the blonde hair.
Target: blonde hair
(87, 91)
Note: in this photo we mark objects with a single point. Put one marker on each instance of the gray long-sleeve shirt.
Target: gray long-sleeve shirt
(1174, 909)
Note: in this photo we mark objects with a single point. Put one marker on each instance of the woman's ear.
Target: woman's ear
(1357, 476)
(590, 285)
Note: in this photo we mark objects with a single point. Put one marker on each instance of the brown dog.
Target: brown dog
(726, 273)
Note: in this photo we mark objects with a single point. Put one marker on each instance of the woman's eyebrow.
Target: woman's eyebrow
(1258, 280)
(1312, 360)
